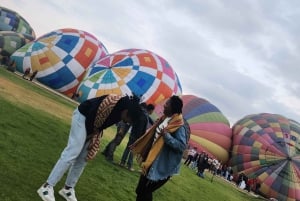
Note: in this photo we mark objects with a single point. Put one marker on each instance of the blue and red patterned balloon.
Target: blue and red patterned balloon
(15, 32)
(10, 41)
(13, 21)
(128, 71)
(61, 58)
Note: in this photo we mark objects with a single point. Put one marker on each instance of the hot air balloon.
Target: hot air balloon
(131, 71)
(267, 147)
(11, 41)
(61, 58)
(210, 129)
(12, 21)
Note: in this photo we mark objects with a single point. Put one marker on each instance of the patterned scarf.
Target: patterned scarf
(144, 148)
(103, 111)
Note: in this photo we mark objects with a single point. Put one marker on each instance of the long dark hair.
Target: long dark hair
(176, 104)
(134, 108)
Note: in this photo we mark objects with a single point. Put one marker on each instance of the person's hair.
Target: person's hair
(176, 104)
(150, 107)
(134, 108)
(143, 105)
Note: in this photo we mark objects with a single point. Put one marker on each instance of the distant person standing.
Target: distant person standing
(12, 66)
(88, 122)
(75, 96)
(160, 149)
(26, 73)
(150, 108)
(5, 60)
(122, 129)
(191, 154)
(33, 75)
(202, 164)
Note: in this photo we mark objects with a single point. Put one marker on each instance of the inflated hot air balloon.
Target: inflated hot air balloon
(61, 58)
(267, 147)
(131, 71)
(210, 129)
(12, 21)
(11, 41)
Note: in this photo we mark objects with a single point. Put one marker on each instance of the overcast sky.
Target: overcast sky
(241, 55)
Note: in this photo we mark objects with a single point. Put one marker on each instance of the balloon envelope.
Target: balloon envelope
(267, 147)
(61, 58)
(131, 71)
(210, 129)
(11, 41)
(12, 21)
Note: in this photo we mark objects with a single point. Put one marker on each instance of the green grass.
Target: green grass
(27, 85)
(31, 141)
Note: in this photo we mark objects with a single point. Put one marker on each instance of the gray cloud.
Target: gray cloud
(242, 56)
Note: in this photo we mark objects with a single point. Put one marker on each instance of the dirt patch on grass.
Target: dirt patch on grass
(24, 97)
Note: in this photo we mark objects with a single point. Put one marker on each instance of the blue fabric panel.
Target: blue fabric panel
(58, 79)
(67, 43)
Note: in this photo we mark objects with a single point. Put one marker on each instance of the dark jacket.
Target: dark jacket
(89, 109)
(139, 127)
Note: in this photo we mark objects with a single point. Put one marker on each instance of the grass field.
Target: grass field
(34, 126)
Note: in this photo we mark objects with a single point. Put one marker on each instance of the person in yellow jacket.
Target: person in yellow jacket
(160, 149)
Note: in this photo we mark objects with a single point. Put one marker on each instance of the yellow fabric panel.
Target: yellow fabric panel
(263, 176)
(213, 148)
(147, 59)
(42, 61)
(116, 91)
(121, 83)
(160, 98)
(48, 40)
(122, 72)
(88, 52)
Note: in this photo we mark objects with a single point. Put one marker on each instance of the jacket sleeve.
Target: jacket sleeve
(139, 128)
(177, 140)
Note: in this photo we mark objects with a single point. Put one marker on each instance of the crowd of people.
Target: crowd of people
(249, 184)
(201, 161)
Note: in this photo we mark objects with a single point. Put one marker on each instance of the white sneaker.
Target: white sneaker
(69, 194)
(46, 193)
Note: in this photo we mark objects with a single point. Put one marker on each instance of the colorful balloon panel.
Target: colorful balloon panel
(12, 21)
(131, 71)
(61, 57)
(210, 129)
(11, 41)
(267, 147)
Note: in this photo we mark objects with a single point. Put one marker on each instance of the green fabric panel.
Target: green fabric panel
(96, 76)
(209, 117)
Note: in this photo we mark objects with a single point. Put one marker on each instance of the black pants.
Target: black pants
(188, 160)
(146, 187)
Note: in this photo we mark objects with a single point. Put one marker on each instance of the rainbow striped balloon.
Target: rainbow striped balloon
(210, 129)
